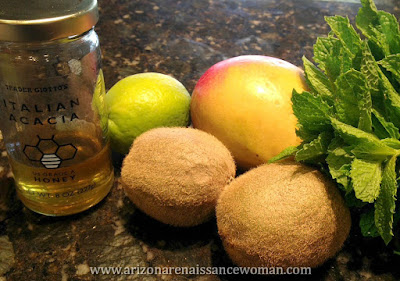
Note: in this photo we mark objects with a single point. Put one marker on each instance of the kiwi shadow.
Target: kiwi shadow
(117, 160)
(163, 236)
(370, 254)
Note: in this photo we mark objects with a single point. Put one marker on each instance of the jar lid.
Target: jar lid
(43, 20)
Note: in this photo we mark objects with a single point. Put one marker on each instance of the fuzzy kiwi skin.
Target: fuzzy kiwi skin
(282, 215)
(176, 175)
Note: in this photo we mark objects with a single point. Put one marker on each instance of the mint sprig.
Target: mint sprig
(349, 120)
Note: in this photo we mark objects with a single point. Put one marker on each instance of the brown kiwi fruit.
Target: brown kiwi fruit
(282, 215)
(176, 175)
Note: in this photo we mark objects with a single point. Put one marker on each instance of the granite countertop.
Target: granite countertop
(183, 39)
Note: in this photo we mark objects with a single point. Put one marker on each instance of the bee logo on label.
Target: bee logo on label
(50, 153)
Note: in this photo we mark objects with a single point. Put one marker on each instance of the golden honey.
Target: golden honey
(69, 180)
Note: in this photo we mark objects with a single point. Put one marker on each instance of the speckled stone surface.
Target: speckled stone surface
(183, 39)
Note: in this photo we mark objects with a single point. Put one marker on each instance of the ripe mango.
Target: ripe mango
(246, 103)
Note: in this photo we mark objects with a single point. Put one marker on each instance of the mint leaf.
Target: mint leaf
(365, 145)
(381, 28)
(392, 63)
(386, 202)
(375, 151)
(366, 178)
(370, 69)
(393, 143)
(372, 72)
(353, 91)
(339, 164)
(311, 111)
(326, 55)
(367, 18)
(365, 107)
(346, 102)
(315, 148)
(366, 21)
(317, 81)
(324, 47)
(382, 128)
(392, 101)
(389, 27)
(386, 100)
(305, 134)
(287, 152)
(345, 32)
(331, 56)
(353, 102)
(367, 224)
(353, 135)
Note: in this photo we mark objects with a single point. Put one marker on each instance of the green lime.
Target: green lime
(144, 101)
